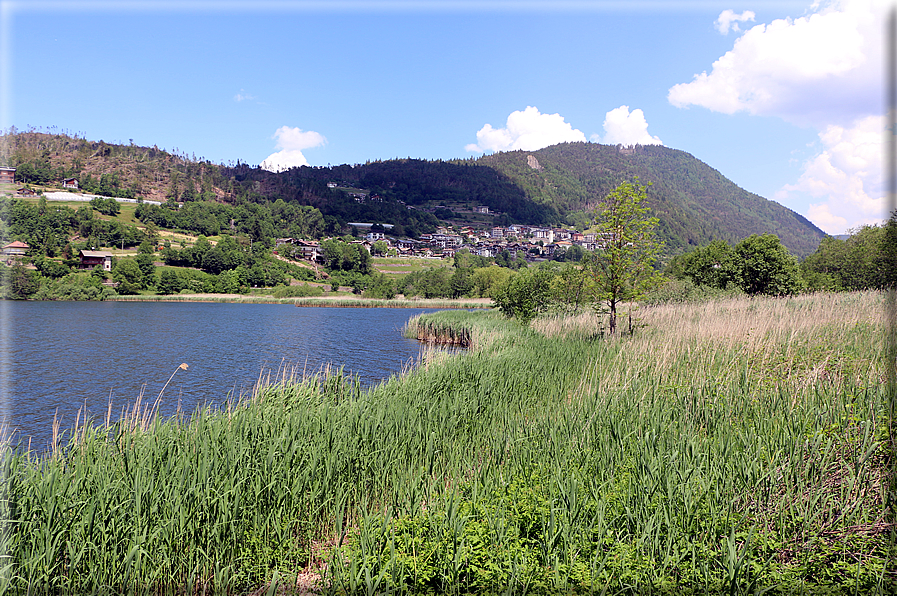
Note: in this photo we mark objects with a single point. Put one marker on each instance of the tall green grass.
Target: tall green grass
(723, 448)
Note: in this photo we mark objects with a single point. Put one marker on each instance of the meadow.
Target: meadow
(734, 446)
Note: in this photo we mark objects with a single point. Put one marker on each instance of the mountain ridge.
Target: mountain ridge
(562, 183)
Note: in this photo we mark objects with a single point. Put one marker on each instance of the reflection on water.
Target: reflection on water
(61, 356)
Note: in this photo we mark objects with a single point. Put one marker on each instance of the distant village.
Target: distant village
(530, 243)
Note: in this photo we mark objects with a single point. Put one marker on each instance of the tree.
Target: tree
(147, 267)
(169, 282)
(572, 286)
(525, 295)
(623, 268)
(767, 267)
(213, 261)
(714, 265)
(381, 286)
(128, 271)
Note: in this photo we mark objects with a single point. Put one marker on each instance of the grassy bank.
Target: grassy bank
(337, 301)
(724, 448)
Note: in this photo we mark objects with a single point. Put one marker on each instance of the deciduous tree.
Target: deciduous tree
(623, 267)
(525, 295)
(767, 267)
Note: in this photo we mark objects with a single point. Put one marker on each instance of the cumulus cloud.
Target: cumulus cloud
(622, 127)
(822, 70)
(728, 19)
(846, 175)
(291, 142)
(816, 70)
(528, 130)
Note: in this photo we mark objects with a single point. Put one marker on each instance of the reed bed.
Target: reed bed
(714, 451)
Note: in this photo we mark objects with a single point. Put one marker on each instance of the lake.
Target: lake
(59, 356)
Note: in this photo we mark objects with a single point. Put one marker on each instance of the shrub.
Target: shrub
(300, 291)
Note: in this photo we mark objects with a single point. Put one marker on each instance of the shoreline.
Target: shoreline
(321, 301)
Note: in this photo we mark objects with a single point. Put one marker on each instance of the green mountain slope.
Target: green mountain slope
(694, 202)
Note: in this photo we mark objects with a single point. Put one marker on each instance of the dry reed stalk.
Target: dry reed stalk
(759, 332)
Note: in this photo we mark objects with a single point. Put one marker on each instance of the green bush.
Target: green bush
(299, 291)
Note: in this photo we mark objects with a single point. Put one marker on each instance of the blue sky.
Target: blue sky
(783, 97)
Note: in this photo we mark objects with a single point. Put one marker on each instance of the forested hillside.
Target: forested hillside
(561, 184)
(694, 202)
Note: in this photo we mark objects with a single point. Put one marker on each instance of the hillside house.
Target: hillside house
(26, 192)
(70, 183)
(483, 250)
(7, 175)
(546, 235)
(92, 258)
(13, 251)
(310, 250)
(407, 245)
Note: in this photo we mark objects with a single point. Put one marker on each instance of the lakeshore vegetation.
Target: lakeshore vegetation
(731, 446)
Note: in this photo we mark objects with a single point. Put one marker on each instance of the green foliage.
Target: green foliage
(127, 270)
(169, 282)
(766, 267)
(886, 257)
(487, 280)
(74, 286)
(525, 295)
(715, 266)
(572, 287)
(299, 291)
(340, 255)
(684, 290)
(18, 283)
(105, 206)
(461, 282)
(51, 268)
(474, 544)
(463, 259)
(865, 260)
(623, 270)
(435, 282)
(381, 286)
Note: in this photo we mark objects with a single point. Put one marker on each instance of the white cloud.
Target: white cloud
(822, 70)
(728, 19)
(815, 70)
(242, 96)
(622, 127)
(528, 130)
(846, 175)
(291, 142)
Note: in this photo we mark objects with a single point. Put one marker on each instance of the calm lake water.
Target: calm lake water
(59, 356)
